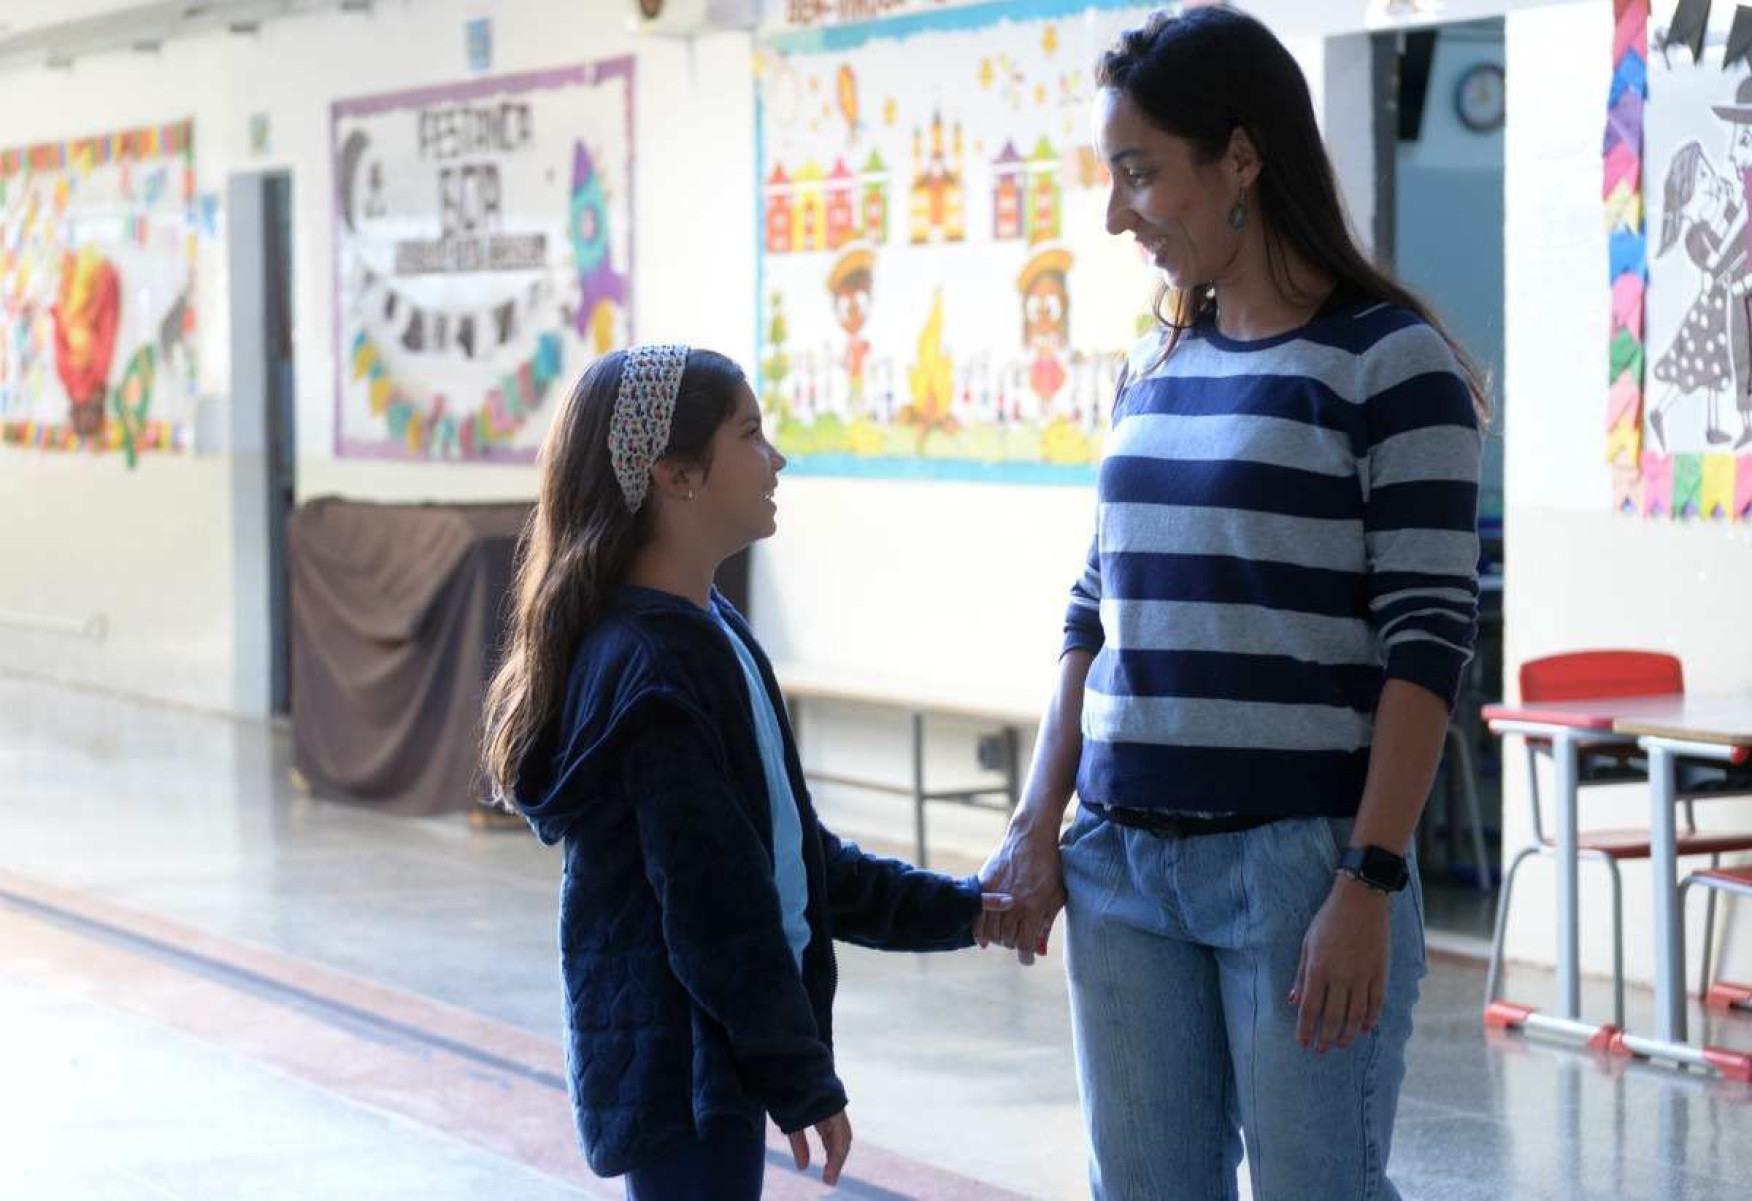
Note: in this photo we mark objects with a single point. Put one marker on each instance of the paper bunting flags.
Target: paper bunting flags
(1657, 484)
(1716, 494)
(432, 429)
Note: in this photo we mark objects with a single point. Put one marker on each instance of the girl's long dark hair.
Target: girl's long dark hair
(579, 544)
(1681, 183)
(1210, 71)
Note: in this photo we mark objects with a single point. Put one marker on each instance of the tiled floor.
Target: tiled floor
(211, 986)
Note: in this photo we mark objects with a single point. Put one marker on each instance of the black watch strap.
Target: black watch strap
(1375, 868)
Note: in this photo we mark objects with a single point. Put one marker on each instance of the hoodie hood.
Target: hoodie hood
(650, 648)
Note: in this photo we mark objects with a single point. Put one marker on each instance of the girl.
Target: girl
(636, 719)
(1260, 654)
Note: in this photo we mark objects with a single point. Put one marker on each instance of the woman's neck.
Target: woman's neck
(1255, 302)
(666, 569)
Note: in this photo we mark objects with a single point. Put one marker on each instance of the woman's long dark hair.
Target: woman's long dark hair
(579, 544)
(1210, 71)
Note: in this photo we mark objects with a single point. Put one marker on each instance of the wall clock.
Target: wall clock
(1479, 97)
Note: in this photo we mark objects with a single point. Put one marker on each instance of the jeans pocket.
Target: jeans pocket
(1082, 825)
(1337, 836)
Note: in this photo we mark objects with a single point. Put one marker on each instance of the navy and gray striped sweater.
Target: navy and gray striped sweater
(1283, 525)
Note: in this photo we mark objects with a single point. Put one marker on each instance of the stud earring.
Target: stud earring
(1238, 214)
(690, 493)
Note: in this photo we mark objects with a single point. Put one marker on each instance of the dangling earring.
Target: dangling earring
(1238, 214)
(690, 493)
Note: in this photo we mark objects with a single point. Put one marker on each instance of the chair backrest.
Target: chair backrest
(1601, 673)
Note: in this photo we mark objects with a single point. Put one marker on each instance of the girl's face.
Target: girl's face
(1712, 196)
(736, 495)
(1175, 206)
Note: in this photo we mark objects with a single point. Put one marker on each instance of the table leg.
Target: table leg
(1663, 866)
(1569, 978)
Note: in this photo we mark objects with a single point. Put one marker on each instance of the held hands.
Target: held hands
(1025, 869)
(836, 1141)
(1342, 980)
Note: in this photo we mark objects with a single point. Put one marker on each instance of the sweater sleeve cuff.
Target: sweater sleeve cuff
(820, 1105)
(1079, 639)
(1433, 666)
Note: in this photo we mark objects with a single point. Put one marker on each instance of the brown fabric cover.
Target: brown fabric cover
(397, 613)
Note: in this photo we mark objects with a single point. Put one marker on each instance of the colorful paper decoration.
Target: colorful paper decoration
(1716, 494)
(1657, 484)
(484, 244)
(97, 292)
(1622, 190)
(1687, 485)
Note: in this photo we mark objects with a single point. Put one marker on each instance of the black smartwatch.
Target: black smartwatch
(1374, 868)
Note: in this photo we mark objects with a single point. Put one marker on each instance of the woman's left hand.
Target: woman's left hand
(1342, 980)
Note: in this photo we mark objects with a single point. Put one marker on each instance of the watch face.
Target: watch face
(1480, 98)
(1384, 868)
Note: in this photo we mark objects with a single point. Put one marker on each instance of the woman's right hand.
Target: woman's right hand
(1026, 867)
(836, 1141)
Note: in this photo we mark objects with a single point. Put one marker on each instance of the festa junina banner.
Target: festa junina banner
(939, 297)
(98, 240)
(483, 257)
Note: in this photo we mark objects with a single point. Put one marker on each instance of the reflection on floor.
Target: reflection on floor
(212, 986)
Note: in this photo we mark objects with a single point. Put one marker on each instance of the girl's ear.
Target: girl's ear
(676, 479)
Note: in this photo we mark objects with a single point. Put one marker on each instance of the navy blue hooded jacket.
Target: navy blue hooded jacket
(683, 1000)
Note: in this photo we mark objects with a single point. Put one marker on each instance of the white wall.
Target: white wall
(1580, 576)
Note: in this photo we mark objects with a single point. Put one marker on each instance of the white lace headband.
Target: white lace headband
(644, 407)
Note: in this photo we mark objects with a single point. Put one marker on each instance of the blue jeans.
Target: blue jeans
(1180, 954)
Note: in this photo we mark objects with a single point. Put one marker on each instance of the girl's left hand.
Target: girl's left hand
(1341, 982)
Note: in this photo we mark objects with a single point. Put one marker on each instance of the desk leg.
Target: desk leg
(918, 785)
(1569, 978)
(1663, 866)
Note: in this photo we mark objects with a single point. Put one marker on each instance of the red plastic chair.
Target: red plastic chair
(1591, 674)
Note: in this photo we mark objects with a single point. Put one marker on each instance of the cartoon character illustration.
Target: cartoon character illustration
(1710, 352)
(600, 287)
(1046, 319)
(849, 283)
(87, 312)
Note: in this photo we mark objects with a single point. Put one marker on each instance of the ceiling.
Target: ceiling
(35, 32)
(18, 16)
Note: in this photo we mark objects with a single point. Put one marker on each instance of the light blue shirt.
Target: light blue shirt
(788, 874)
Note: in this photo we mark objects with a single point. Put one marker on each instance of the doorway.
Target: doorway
(261, 434)
(1442, 99)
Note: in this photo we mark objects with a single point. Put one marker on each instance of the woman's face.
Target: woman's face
(1175, 206)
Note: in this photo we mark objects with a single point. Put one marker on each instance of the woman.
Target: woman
(1260, 656)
